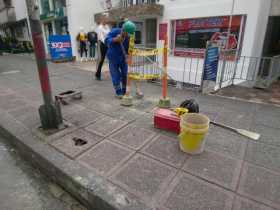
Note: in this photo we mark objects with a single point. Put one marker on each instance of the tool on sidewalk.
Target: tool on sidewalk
(169, 119)
(246, 133)
(66, 96)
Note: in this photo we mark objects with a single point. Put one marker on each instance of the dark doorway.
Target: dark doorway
(271, 45)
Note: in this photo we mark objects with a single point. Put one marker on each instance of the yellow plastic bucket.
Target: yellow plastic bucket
(194, 128)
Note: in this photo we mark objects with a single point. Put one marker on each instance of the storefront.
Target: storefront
(53, 18)
(189, 25)
(190, 36)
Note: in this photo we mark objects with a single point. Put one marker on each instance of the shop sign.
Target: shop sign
(60, 47)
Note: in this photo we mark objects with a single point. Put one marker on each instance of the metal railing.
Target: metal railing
(246, 70)
(251, 71)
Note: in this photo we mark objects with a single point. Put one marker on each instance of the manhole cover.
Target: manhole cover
(79, 142)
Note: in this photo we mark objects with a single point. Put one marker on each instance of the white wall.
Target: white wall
(81, 15)
(257, 12)
(20, 9)
(275, 8)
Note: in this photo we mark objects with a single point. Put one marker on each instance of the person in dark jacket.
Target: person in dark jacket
(117, 42)
(92, 39)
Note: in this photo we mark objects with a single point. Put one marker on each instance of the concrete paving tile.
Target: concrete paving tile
(144, 177)
(52, 135)
(133, 136)
(145, 105)
(84, 117)
(236, 119)
(238, 105)
(269, 120)
(21, 112)
(105, 157)
(76, 143)
(103, 105)
(216, 168)
(187, 192)
(268, 109)
(6, 91)
(106, 126)
(268, 135)
(226, 142)
(127, 114)
(260, 184)
(68, 110)
(263, 155)
(211, 115)
(245, 204)
(166, 149)
(146, 121)
(12, 102)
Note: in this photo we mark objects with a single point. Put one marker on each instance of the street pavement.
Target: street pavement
(24, 188)
(122, 146)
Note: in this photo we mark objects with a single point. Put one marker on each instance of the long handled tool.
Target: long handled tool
(246, 133)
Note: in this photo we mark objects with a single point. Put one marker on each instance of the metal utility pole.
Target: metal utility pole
(227, 42)
(50, 113)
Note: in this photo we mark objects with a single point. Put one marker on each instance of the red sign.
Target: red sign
(162, 31)
(192, 34)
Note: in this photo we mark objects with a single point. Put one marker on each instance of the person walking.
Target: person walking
(102, 30)
(118, 43)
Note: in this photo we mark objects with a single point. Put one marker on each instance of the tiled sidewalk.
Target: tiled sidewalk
(122, 145)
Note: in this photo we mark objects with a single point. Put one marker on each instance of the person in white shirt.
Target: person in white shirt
(102, 30)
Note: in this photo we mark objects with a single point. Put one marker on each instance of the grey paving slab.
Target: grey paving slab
(146, 121)
(263, 155)
(245, 204)
(211, 115)
(216, 168)
(133, 137)
(84, 117)
(237, 105)
(235, 119)
(21, 112)
(68, 110)
(187, 192)
(145, 105)
(103, 104)
(76, 143)
(12, 102)
(260, 184)
(127, 114)
(268, 109)
(166, 149)
(105, 157)
(106, 126)
(269, 120)
(6, 91)
(144, 177)
(49, 136)
(226, 142)
(268, 135)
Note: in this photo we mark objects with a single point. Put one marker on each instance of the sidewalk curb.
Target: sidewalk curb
(92, 190)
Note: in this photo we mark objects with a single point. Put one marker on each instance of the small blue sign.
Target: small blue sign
(211, 63)
(60, 47)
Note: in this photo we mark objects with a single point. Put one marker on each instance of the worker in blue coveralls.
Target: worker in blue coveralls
(117, 42)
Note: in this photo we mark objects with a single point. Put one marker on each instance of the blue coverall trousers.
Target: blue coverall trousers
(118, 71)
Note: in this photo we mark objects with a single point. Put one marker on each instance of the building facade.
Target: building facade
(13, 20)
(190, 24)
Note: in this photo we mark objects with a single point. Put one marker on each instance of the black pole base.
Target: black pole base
(50, 116)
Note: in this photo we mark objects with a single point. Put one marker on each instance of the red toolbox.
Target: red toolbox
(167, 120)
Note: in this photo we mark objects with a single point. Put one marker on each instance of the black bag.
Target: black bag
(191, 105)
